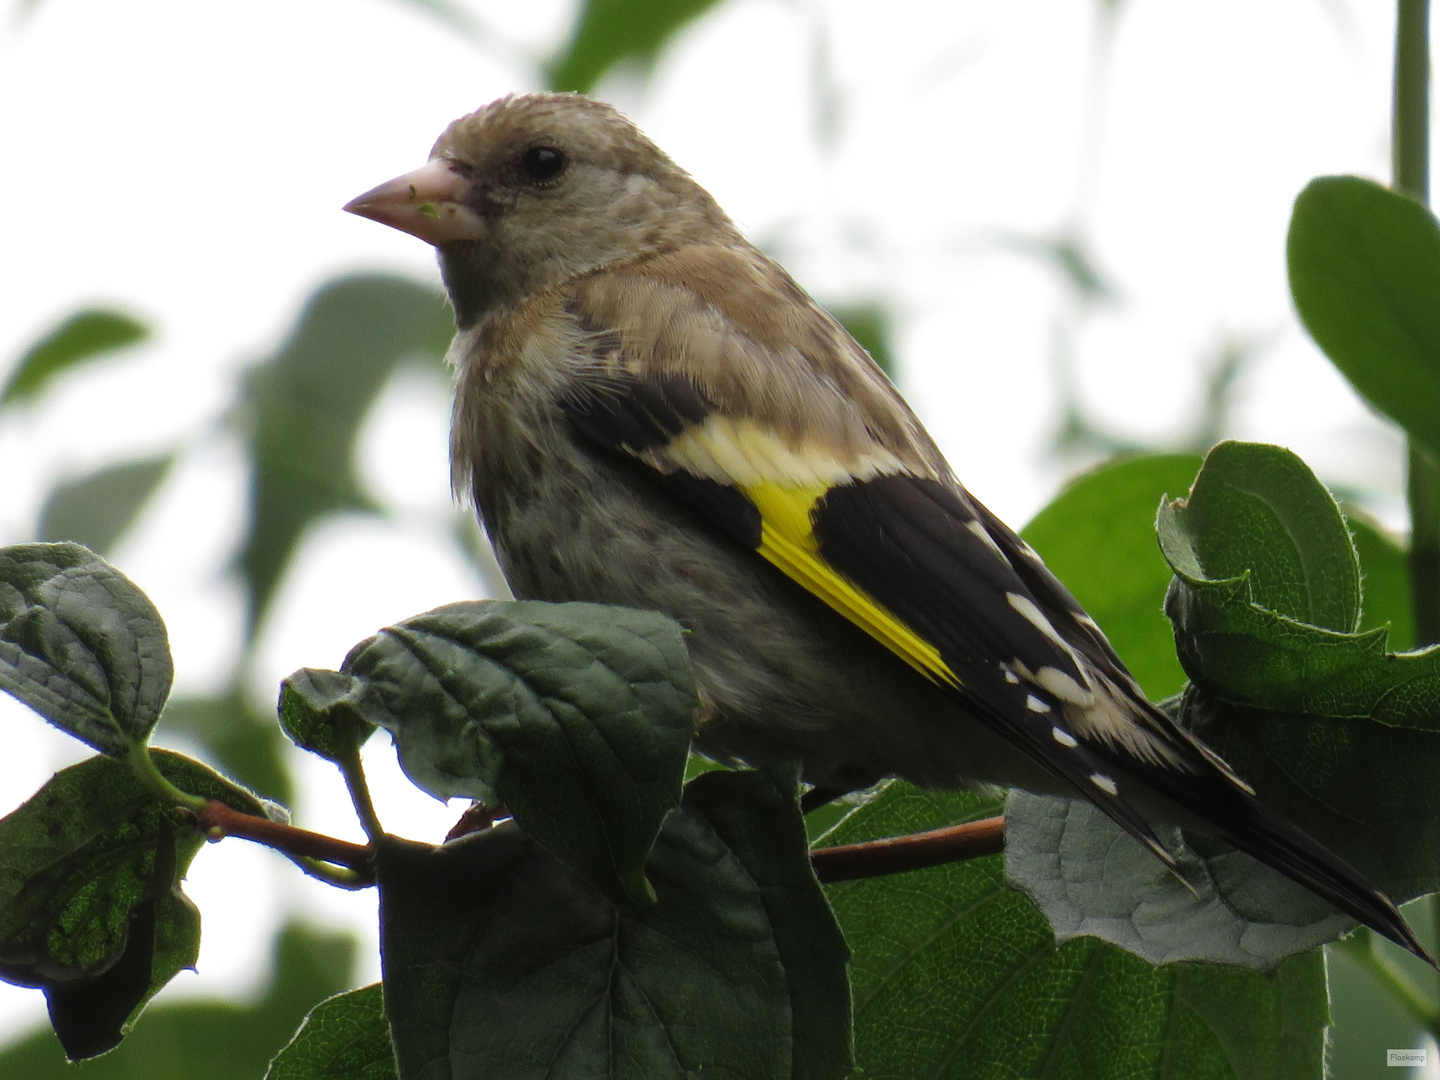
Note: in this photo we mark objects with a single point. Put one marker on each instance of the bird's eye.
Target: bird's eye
(541, 163)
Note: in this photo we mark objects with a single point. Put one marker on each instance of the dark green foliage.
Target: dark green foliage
(90, 902)
(97, 509)
(345, 1038)
(578, 717)
(955, 974)
(1364, 267)
(1098, 536)
(82, 337)
(608, 31)
(303, 409)
(81, 645)
(502, 963)
(317, 715)
(1385, 582)
(208, 1040)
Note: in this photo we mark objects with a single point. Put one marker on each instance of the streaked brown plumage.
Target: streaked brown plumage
(651, 412)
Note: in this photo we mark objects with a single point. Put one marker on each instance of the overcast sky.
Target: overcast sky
(187, 162)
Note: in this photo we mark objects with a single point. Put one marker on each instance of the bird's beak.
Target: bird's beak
(428, 203)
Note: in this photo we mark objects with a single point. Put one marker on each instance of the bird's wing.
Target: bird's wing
(711, 371)
(798, 448)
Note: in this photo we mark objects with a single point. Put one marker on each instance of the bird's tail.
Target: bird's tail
(1267, 836)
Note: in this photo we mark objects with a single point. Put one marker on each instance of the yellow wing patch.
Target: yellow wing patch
(787, 540)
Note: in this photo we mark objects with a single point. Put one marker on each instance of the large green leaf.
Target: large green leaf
(1098, 537)
(956, 975)
(1333, 731)
(84, 336)
(607, 31)
(344, 1038)
(1365, 275)
(96, 510)
(207, 1039)
(577, 716)
(90, 902)
(501, 963)
(81, 645)
(303, 409)
(1385, 578)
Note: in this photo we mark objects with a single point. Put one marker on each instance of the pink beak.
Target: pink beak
(428, 203)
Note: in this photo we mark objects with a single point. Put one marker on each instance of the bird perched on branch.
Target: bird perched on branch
(652, 413)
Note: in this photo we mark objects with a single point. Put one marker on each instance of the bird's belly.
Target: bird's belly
(781, 676)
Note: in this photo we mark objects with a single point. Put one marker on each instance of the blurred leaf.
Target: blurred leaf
(248, 747)
(1364, 267)
(90, 902)
(1385, 581)
(1088, 877)
(577, 716)
(305, 407)
(869, 324)
(455, 16)
(1098, 537)
(209, 1039)
(956, 976)
(81, 645)
(83, 337)
(95, 510)
(608, 31)
(738, 970)
(316, 715)
(344, 1038)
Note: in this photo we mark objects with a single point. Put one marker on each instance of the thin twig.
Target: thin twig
(953, 844)
(354, 774)
(219, 820)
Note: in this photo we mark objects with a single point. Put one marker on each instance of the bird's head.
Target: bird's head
(534, 189)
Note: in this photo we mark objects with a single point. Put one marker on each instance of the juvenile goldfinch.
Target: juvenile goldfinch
(650, 412)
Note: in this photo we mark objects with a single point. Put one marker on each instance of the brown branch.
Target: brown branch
(219, 821)
(846, 862)
(968, 841)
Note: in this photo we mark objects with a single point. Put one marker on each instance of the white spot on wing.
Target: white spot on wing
(1104, 783)
(1063, 737)
(1011, 677)
(1063, 686)
(1034, 704)
(979, 530)
(1036, 618)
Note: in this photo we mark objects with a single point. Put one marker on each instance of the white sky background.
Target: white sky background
(187, 162)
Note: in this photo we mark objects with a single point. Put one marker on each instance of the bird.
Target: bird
(651, 412)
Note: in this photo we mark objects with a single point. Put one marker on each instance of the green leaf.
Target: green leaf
(210, 1039)
(97, 509)
(1259, 550)
(1334, 732)
(1098, 538)
(304, 407)
(82, 337)
(1385, 577)
(90, 904)
(738, 970)
(81, 645)
(1364, 267)
(1258, 510)
(1089, 878)
(317, 712)
(956, 975)
(247, 746)
(608, 31)
(344, 1038)
(577, 716)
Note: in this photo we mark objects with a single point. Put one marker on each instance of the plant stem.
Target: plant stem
(219, 820)
(1410, 165)
(354, 774)
(146, 770)
(971, 840)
